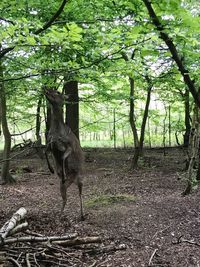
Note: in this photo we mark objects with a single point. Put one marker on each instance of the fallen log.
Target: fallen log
(38, 239)
(33, 249)
(12, 223)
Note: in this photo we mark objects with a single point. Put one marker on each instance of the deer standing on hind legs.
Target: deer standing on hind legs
(65, 148)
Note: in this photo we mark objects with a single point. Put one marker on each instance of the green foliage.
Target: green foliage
(87, 42)
(107, 200)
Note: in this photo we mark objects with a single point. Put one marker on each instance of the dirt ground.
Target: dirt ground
(154, 222)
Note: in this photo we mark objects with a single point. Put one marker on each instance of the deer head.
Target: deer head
(54, 97)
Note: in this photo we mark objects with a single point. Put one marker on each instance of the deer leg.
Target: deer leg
(63, 192)
(80, 187)
(48, 162)
(65, 156)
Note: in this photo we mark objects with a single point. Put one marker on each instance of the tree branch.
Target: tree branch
(52, 19)
(175, 55)
(44, 27)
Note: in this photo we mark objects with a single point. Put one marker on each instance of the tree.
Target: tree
(194, 89)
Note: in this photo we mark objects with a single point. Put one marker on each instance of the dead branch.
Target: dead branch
(34, 249)
(19, 228)
(12, 223)
(79, 241)
(38, 239)
(15, 262)
(152, 255)
(191, 242)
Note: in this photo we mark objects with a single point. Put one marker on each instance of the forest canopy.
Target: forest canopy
(104, 46)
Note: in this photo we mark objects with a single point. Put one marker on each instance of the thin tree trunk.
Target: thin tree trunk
(164, 132)
(145, 115)
(5, 175)
(47, 116)
(133, 126)
(0, 117)
(114, 128)
(187, 118)
(193, 151)
(38, 126)
(38, 118)
(149, 131)
(72, 106)
(169, 127)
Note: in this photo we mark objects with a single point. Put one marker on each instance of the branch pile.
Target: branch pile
(20, 247)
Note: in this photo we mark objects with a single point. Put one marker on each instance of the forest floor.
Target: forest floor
(142, 210)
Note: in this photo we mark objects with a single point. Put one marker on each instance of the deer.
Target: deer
(65, 148)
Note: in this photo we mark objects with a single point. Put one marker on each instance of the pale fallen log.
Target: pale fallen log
(38, 239)
(12, 223)
(19, 228)
(79, 241)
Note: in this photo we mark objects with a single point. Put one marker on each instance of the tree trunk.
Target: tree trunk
(193, 151)
(187, 118)
(169, 126)
(114, 128)
(145, 116)
(5, 175)
(38, 126)
(193, 88)
(47, 116)
(72, 106)
(133, 126)
(0, 117)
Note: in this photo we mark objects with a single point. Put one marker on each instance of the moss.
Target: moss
(106, 200)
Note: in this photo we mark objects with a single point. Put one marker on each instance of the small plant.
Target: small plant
(106, 200)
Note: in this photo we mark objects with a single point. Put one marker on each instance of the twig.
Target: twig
(188, 241)
(16, 263)
(35, 260)
(152, 255)
(162, 230)
(27, 260)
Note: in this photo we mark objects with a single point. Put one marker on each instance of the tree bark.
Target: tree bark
(72, 106)
(134, 163)
(145, 115)
(38, 127)
(187, 118)
(5, 175)
(193, 151)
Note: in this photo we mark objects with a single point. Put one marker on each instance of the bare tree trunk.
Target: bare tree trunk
(5, 175)
(38, 126)
(72, 107)
(133, 126)
(169, 126)
(164, 132)
(187, 118)
(193, 151)
(145, 116)
(114, 128)
(0, 118)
